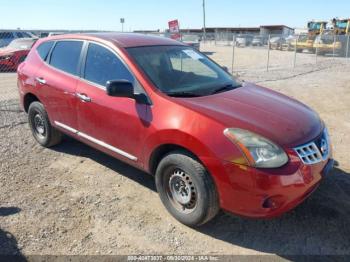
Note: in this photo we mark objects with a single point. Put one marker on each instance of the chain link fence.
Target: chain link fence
(251, 52)
(238, 52)
(14, 48)
(243, 52)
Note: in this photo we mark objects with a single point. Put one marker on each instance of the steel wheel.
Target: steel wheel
(181, 191)
(186, 189)
(39, 125)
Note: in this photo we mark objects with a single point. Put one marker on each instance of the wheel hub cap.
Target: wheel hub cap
(182, 188)
(39, 124)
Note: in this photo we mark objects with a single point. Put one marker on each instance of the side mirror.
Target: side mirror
(124, 88)
(120, 88)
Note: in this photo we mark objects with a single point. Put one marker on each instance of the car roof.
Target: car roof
(124, 40)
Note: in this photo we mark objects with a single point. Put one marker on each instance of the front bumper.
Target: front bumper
(266, 193)
(6, 64)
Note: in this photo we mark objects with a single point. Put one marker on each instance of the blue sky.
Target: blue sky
(154, 14)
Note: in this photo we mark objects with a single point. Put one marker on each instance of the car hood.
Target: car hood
(7, 51)
(262, 111)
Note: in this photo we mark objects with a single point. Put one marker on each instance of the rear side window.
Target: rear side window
(103, 65)
(65, 56)
(44, 49)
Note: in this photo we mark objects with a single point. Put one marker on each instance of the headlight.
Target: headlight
(259, 151)
(6, 57)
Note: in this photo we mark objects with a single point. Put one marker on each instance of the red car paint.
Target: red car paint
(195, 124)
(15, 53)
(11, 58)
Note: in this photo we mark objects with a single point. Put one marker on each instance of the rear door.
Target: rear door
(57, 81)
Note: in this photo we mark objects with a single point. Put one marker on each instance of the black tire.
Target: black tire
(204, 203)
(40, 125)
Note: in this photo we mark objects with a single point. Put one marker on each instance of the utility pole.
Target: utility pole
(204, 29)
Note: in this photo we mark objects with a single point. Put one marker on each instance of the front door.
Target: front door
(115, 124)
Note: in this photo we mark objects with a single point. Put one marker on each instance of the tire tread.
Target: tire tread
(54, 135)
(213, 206)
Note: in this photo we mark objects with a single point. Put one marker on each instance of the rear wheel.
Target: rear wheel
(186, 189)
(40, 125)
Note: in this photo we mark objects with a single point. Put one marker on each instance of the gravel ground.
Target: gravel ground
(72, 199)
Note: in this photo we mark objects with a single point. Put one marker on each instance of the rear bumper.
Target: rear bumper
(260, 193)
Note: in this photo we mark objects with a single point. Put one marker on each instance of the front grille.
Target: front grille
(315, 151)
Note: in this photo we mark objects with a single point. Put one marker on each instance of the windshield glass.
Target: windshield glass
(342, 24)
(182, 71)
(314, 26)
(21, 44)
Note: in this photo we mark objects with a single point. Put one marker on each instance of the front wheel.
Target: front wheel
(45, 134)
(186, 189)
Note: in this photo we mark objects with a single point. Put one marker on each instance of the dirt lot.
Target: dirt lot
(74, 200)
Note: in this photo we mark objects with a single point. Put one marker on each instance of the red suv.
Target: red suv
(163, 107)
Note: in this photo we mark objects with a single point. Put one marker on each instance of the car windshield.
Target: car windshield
(23, 44)
(182, 71)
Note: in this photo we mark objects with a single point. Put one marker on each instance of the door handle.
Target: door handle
(83, 97)
(40, 80)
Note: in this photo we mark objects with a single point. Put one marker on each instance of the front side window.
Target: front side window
(182, 71)
(102, 65)
(65, 56)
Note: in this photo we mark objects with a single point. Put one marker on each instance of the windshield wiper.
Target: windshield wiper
(225, 88)
(182, 94)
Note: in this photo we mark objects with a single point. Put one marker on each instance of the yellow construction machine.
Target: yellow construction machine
(335, 40)
(306, 42)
